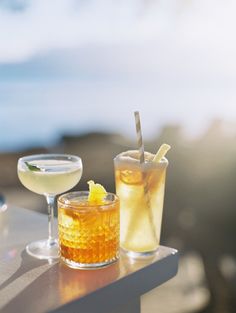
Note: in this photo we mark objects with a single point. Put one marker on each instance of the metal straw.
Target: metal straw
(139, 137)
(144, 178)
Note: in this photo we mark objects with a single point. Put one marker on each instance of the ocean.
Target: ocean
(39, 112)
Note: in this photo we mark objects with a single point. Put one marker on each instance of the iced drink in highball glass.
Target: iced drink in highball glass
(140, 188)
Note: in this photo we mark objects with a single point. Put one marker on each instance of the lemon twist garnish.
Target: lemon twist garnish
(97, 193)
(161, 152)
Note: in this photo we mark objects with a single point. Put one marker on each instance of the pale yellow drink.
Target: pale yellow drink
(141, 193)
(54, 176)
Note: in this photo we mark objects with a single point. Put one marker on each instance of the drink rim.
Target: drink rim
(77, 206)
(122, 158)
(32, 157)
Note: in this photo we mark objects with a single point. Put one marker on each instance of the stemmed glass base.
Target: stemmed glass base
(43, 249)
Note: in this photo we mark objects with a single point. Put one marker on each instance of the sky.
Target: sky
(77, 66)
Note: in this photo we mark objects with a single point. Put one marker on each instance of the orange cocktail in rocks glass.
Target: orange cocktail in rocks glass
(89, 227)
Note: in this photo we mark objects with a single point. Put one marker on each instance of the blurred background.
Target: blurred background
(71, 75)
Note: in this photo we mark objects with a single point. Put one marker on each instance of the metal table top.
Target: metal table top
(31, 285)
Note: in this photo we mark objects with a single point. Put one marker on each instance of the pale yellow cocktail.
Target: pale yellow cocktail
(48, 175)
(54, 176)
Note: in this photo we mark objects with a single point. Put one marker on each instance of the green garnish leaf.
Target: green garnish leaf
(33, 167)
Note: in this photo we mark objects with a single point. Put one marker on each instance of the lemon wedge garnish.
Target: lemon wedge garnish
(161, 152)
(97, 193)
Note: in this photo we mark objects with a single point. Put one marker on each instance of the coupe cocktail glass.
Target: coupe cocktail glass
(48, 175)
(88, 232)
(140, 188)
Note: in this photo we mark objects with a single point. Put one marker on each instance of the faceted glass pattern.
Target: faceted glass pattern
(88, 234)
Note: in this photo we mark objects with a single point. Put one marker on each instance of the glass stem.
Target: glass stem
(51, 229)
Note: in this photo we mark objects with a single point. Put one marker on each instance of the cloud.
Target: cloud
(44, 25)
(193, 36)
